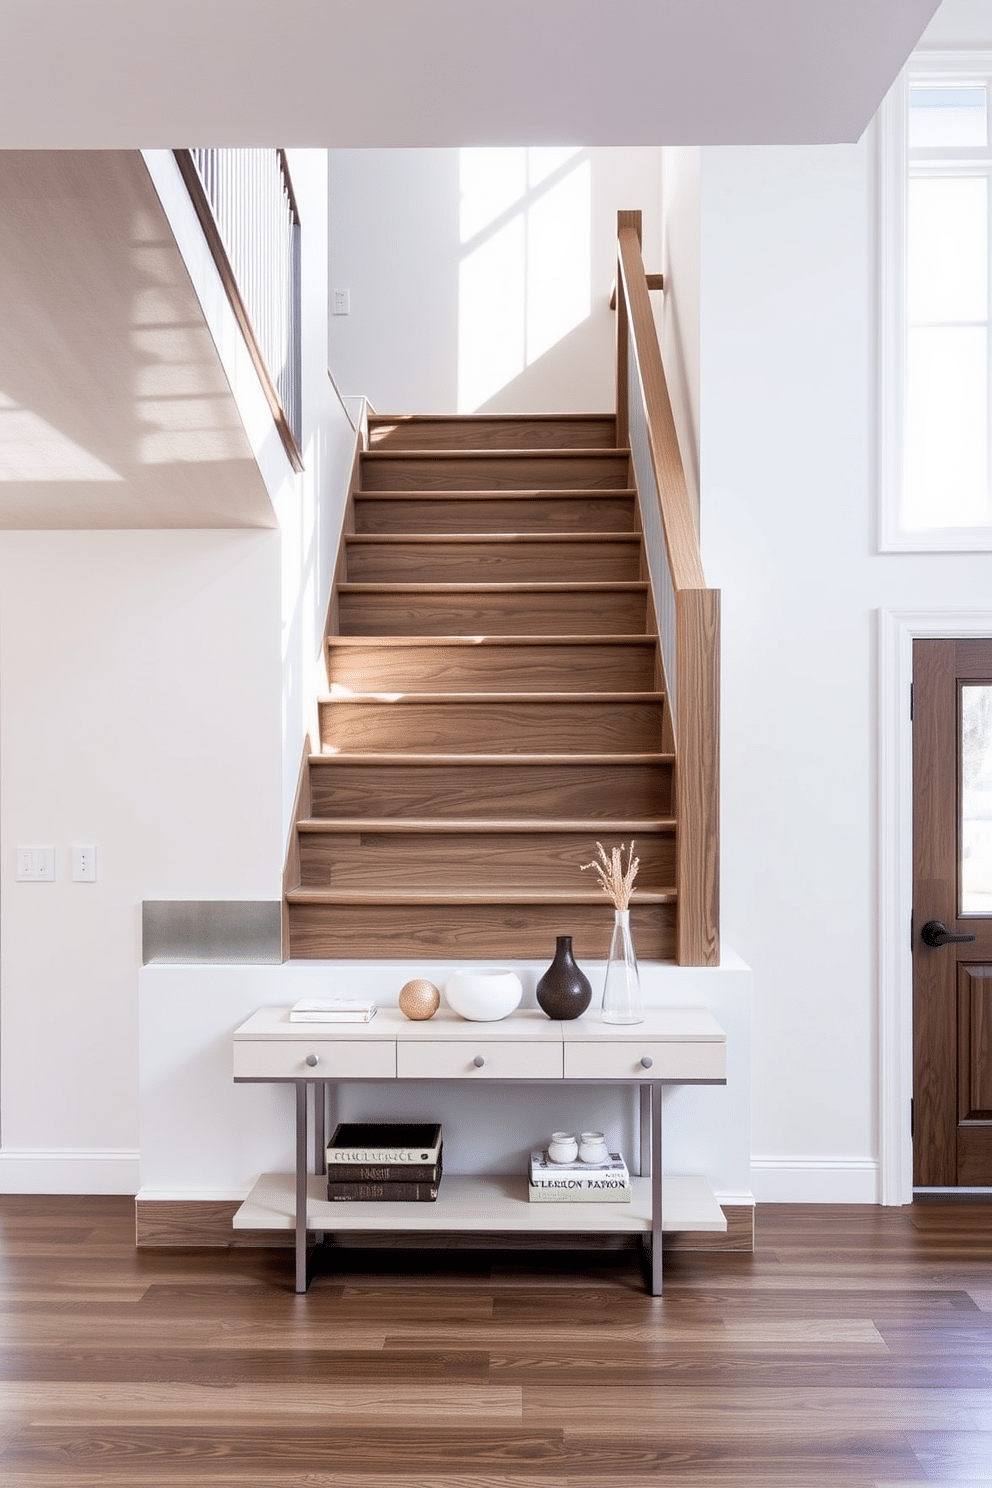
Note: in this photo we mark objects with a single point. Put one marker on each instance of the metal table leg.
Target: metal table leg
(301, 1186)
(657, 1214)
(319, 1137)
(644, 1130)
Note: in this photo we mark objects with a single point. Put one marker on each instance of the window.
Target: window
(936, 347)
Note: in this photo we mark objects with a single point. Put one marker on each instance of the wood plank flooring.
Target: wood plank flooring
(853, 1349)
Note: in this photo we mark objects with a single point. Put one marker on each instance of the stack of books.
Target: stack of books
(550, 1182)
(384, 1161)
(333, 1010)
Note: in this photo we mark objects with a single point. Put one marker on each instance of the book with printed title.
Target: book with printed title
(345, 1172)
(379, 1193)
(385, 1143)
(543, 1170)
(549, 1182)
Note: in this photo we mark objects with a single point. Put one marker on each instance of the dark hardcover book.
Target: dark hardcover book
(385, 1193)
(342, 1172)
(384, 1142)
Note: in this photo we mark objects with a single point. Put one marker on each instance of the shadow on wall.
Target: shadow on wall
(114, 409)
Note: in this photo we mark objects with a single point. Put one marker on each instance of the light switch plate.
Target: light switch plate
(35, 865)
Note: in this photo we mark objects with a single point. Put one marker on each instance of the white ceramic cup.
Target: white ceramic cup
(592, 1147)
(563, 1147)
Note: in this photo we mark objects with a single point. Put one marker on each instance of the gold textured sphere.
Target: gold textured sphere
(420, 999)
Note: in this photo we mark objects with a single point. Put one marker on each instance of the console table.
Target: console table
(673, 1046)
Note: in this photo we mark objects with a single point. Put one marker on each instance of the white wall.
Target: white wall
(788, 479)
(155, 692)
(395, 243)
(139, 711)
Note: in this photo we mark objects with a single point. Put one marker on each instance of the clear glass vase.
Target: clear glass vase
(622, 988)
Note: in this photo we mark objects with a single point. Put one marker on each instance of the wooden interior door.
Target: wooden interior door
(952, 885)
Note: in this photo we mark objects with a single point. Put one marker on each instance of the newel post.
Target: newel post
(624, 219)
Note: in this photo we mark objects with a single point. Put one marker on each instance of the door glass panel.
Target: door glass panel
(976, 799)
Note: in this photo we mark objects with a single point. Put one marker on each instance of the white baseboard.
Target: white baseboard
(94, 1172)
(814, 1180)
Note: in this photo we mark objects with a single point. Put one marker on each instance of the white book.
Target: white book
(608, 1191)
(543, 1172)
(332, 1010)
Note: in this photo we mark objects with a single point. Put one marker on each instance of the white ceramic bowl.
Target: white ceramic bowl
(483, 996)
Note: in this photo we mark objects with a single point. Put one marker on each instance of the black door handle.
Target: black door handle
(936, 933)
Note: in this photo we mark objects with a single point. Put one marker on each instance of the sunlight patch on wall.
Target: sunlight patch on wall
(31, 449)
(525, 277)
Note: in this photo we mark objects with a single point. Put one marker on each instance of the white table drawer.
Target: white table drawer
(461, 1061)
(673, 1060)
(346, 1059)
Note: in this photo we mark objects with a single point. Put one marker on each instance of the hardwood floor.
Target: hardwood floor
(853, 1349)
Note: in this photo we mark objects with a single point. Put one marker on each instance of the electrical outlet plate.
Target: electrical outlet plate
(341, 302)
(83, 864)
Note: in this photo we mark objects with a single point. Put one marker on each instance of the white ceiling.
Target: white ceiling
(141, 73)
(114, 411)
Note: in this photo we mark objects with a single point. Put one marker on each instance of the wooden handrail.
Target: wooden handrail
(284, 403)
(688, 612)
(676, 510)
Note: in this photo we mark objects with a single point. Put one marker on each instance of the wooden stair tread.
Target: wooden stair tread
(539, 452)
(435, 539)
(602, 827)
(510, 493)
(533, 699)
(476, 642)
(349, 757)
(471, 896)
(491, 418)
(522, 586)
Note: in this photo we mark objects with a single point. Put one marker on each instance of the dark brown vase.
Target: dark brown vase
(564, 991)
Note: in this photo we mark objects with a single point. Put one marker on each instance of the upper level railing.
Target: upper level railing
(688, 614)
(246, 206)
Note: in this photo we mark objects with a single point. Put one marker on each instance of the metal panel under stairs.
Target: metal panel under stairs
(494, 703)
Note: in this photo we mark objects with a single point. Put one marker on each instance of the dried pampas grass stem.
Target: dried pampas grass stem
(616, 882)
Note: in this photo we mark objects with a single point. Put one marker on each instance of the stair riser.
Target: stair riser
(465, 472)
(495, 862)
(479, 932)
(492, 728)
(513, 613)
(550, 668)
(492, 433)
(610, 792)
(493, 562)
(426, 514)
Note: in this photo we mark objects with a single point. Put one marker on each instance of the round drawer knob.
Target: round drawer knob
(646, 1061)
(312, 1059)
(479, 1060)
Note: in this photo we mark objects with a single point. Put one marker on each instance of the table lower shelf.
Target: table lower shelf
(480, 1204)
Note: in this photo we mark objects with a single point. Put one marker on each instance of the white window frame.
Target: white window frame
(893, 174)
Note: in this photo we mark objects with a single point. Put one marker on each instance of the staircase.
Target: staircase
(494, 703)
